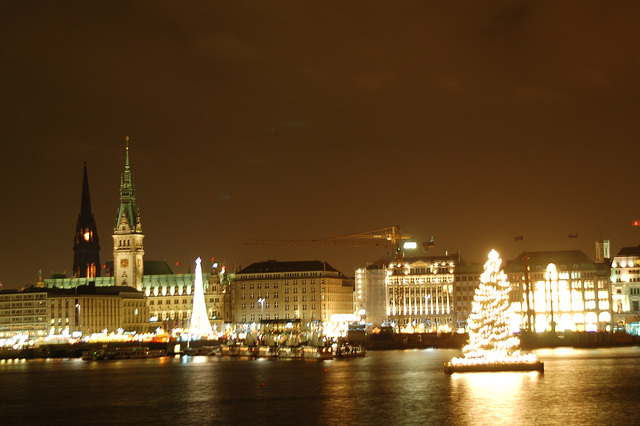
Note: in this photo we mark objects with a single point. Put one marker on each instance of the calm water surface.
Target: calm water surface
(600, 386)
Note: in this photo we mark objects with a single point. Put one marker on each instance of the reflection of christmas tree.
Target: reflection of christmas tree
(490, 340)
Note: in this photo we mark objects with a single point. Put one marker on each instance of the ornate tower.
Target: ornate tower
(128, 250)
(86, 244)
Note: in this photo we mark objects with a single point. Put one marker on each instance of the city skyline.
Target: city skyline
(271, 120)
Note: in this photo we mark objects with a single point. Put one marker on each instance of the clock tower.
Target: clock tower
(86, 244)
(128, 249)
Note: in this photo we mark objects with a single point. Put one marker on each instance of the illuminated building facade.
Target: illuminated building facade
(415, 293)
(625, 288)
(23, 312)
(306, 290)
(467, 280)
(88, 310)
(170, 297)
(420, 292)
(436, 293)
(567, 291)
(82, 311)
(371, 293)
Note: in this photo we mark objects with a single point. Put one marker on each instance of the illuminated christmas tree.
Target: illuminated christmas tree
(200, 324)
(489, 335)
(490, 340)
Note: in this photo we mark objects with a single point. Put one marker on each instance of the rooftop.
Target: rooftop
(273, 266)
(629, 251)
(150, 267)
(81, 290)
(563, 259)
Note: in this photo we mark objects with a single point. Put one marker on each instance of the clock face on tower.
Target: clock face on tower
(124, 263)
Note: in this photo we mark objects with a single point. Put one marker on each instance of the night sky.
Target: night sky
(471, 123)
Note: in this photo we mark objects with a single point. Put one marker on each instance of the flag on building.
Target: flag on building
(574, 235)
(519, 238)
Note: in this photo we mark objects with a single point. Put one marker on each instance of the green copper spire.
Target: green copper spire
(126, 166)
(128, 215)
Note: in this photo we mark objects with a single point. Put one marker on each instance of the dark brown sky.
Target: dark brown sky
(469, 122)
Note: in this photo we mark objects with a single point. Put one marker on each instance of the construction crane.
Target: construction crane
(390, 238)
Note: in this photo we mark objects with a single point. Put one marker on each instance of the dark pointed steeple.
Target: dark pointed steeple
(85, 205)
(86, 247)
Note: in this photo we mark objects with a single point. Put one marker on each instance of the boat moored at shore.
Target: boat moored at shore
(104, 354)
(306, 352)
(350, 351)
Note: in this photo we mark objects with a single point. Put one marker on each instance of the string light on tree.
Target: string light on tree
(491, 345)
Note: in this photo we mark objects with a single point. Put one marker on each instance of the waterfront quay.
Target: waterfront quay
(372, 342)
(528, 341)
(385, 341)
(380, 341)
(75, 350)
(601, 339)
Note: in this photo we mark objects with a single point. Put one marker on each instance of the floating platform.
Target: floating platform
(494, 367)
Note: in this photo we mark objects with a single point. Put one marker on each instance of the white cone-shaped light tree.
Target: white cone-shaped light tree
(200, 324)
(490, 340)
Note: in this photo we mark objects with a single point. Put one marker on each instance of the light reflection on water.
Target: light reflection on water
(492, 397)
(386, 387)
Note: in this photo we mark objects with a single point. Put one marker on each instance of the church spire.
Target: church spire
(126, 166)
(85, 204)
(128, 215)
(86, 246)
(128, 247)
